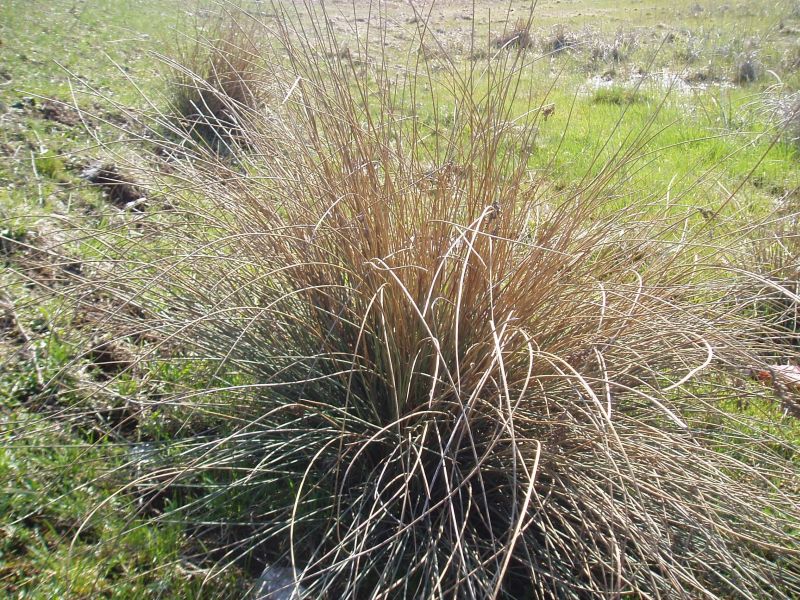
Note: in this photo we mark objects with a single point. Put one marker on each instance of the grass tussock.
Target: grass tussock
(747, 68)
(773, 291)
(423, 373)
(783, 110)
(560, 39)
(791, 58)
(618, 96)
(217, 82)
(616, 50)
(519, 36)
(776, 258)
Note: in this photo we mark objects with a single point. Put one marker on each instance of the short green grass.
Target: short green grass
(63, 532)
(51, 524)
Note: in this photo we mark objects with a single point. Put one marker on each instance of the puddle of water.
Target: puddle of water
(660, 81)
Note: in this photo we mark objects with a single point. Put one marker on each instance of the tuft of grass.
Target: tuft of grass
(747, 69)
(518, 37)
(791, 58)
(12, 238)
(216, 82)
(428, 374)
(617, 50)
(784, 111)
(51, 166)
(617, 96)
(559, 40)
(775, 289)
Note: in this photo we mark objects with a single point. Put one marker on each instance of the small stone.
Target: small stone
(277, 583)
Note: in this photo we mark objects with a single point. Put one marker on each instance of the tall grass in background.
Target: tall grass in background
(420, 371)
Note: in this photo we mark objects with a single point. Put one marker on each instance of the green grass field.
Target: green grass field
(707, 81)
